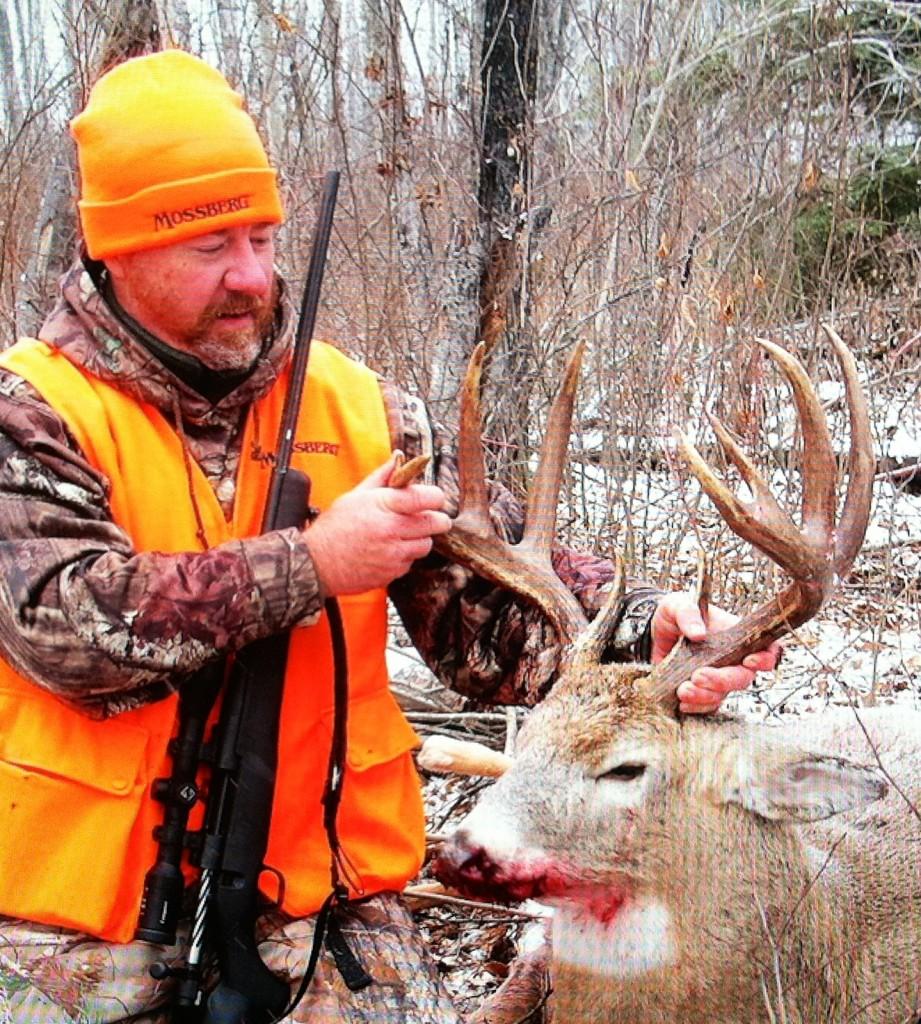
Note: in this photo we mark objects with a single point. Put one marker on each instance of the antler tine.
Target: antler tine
(590, 646)
(814, 556)
(861, 463)
(762, 522)
(819, 467)
(540, 521)
(470, 464)
(525, 568)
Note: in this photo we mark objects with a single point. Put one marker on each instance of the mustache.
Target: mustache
(262, 308)
(237, 306)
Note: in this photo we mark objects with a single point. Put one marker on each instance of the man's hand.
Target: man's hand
(372, 534)
(678, 616)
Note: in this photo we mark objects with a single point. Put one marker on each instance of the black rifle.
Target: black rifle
(235, 837)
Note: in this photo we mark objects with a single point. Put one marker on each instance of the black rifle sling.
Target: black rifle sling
(335, 771)
(327, 927)
(353, 974)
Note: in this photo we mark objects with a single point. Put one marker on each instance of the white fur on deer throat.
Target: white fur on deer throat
(636, 940)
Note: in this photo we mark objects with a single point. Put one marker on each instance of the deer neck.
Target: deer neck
(612, 968)
(642, 967)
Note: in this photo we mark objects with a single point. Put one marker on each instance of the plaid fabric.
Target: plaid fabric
(52, 976)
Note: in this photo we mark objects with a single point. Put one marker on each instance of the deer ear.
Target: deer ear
(791, 784)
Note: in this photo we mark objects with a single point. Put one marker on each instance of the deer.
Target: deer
(701, 869)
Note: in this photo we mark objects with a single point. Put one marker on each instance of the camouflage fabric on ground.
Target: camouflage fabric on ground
(52, 976)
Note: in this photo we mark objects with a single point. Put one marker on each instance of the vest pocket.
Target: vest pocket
(70, 792)
(381, 821)
(378, 732)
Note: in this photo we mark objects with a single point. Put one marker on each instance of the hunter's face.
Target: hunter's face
(212, 296)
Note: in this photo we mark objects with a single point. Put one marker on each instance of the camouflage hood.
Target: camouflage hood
(86, 329)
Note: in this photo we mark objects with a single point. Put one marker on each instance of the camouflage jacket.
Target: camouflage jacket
(107, 628)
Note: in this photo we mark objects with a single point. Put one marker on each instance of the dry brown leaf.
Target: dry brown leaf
(374, 68)
(812, 175)
(687, 309)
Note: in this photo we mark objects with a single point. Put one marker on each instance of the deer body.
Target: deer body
(693, 890)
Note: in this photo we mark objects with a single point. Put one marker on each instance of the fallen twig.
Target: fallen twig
(434, 894)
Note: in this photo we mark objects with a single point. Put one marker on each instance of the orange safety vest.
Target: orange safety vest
(76, 815)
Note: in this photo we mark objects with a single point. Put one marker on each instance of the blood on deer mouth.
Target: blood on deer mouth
(469, 868)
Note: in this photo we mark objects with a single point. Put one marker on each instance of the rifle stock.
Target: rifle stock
(246, 778)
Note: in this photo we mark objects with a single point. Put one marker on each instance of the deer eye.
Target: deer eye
(625, 772)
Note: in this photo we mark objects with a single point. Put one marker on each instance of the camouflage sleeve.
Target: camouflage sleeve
(482, 640)
(87, 617)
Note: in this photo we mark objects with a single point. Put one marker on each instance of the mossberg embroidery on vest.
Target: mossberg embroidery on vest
(259, 454)
(168, 219)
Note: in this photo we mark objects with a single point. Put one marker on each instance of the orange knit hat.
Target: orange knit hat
(167, 152)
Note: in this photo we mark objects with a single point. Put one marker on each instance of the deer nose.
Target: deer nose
(463, 863)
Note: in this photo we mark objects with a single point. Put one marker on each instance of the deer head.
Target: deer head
(617, 810)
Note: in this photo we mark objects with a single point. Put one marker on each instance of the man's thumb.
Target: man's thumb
(379, 477)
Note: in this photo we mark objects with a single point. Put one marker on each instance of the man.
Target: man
(133, 438)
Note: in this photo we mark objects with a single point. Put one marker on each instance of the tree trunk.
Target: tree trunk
(457, 293)
(409, 277)
(508, 78)
(176, 23)
(131, 28)
(12, 105)
(458, 314)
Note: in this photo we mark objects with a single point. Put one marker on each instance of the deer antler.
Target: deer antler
(525, 567)
(816, 555)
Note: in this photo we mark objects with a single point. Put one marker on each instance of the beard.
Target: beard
(222, 347)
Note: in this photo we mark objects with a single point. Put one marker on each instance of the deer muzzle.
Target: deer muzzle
(466, 865)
